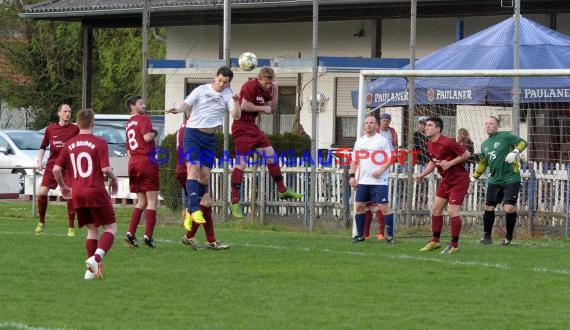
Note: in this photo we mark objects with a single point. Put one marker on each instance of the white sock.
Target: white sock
(100, 252)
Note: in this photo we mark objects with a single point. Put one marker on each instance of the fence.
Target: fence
(542, 206)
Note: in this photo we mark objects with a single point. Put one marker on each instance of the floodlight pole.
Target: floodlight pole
(145, 24)
(314, 109)
(516, 65)
(411, 111)
(226, 126)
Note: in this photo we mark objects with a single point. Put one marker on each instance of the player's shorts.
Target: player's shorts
(248, 137)
(507, 193)
(143, 175)
(48, 179)
(453, 190)
(99, 216)
(374, 193)
(199, 147)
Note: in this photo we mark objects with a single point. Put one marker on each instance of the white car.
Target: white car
(19, 152)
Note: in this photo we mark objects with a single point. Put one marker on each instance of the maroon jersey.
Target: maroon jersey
(56, 136)
(251, 91)
(137, 127)
(83, 157)
(446, 148)
(180, 163)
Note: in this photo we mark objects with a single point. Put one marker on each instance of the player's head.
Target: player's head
(224, 77)
(492, 125)
(135, 105)
(64, 112)
(85, 118)
(370, 125)
(266, 77)
(434, 126)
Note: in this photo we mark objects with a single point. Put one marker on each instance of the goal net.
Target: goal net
(538, 113)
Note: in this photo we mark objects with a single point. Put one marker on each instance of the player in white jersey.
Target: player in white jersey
(208, 104)
(371, 158)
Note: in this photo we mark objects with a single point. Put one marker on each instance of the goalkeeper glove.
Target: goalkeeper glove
(512, 156)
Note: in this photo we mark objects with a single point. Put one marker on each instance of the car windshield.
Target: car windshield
(113, 134)
(26, 140)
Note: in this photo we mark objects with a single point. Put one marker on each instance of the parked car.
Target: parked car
(19, 153)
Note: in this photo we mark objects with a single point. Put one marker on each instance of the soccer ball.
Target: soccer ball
(247, 61)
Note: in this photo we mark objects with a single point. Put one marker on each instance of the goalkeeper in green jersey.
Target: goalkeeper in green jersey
(501, 153)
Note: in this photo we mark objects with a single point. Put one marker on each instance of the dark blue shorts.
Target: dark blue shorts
(199, 147)
(377, 194)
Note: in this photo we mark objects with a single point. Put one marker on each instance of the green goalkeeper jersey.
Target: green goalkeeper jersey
(493, 153)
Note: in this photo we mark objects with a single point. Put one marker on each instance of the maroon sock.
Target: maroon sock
(106, 241)
(455, 230)
(90, 247)
(436, 226)
(135, 219)
(275, 172)
(150, 222)
(367, 222)
(381, 225)
(237, 179)
(70, 214)
(209, 225)
(42, 207)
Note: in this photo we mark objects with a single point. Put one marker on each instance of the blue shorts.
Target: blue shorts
(377, 194)
(199, 147)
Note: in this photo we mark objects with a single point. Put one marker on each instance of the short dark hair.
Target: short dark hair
(85, 118)
(437, 121)
(132, 100)
(226, 72)
(60, 106)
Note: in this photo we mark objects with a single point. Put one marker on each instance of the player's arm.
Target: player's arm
(250, 107)
(108, 171)
(429, 168)
(459, 159)
(518, 146)
(181, 107)
(481, 167)
(150, 135)
(57, 173)
(235, 109)
(352, 174)
(42, 151)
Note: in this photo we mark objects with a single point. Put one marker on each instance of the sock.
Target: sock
(209, 225)
(237, 179)
(455, 230)
(202, 188)
(381, 225)
(436, 225)
(135, 220)
(99, 254)
(367, 222)
(70, 214)
(275, 172)
(360, 219)
(42, 207)
(389, 220)
(192, 188)
(90, 247)
(511, 220)
(488, 222)
(150, 216)
(105, 242)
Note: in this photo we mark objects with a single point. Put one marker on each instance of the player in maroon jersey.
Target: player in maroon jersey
(205, 202)
(257, 96)
(55, 136)
(86, 159)
(448, 156)
(143, 174)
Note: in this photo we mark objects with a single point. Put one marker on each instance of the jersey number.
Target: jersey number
(492, 155)
(133, 144)
(77, 164)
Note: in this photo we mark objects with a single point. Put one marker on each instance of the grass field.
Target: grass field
(275, 280)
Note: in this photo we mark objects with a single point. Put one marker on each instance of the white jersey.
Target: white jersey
(208, 106)
(379, 151)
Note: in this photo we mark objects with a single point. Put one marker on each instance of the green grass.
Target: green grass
(275, 280)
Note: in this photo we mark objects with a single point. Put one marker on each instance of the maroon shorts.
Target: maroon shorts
(99, 216)
(454, 190)
(48, 179)
(248, 137)
(143, 175)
